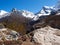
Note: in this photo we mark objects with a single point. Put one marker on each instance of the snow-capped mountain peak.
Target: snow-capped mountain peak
(2, 12)
(46, 10)
(28, 14)
(24, 13)
(49, 7)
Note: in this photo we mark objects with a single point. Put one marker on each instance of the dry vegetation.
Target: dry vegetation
(17, 23)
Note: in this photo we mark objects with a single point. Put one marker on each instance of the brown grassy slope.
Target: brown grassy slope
(16, 22)
(51, 20)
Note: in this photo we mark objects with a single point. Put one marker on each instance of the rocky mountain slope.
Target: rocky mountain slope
(25, 20)
(19, 19)
(20, 27)
(47, 36)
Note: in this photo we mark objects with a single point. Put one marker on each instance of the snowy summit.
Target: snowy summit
(2, 12)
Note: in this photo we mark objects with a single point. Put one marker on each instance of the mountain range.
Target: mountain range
(46, 10)
(23, 19)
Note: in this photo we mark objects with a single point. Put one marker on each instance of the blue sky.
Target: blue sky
(30, 5)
